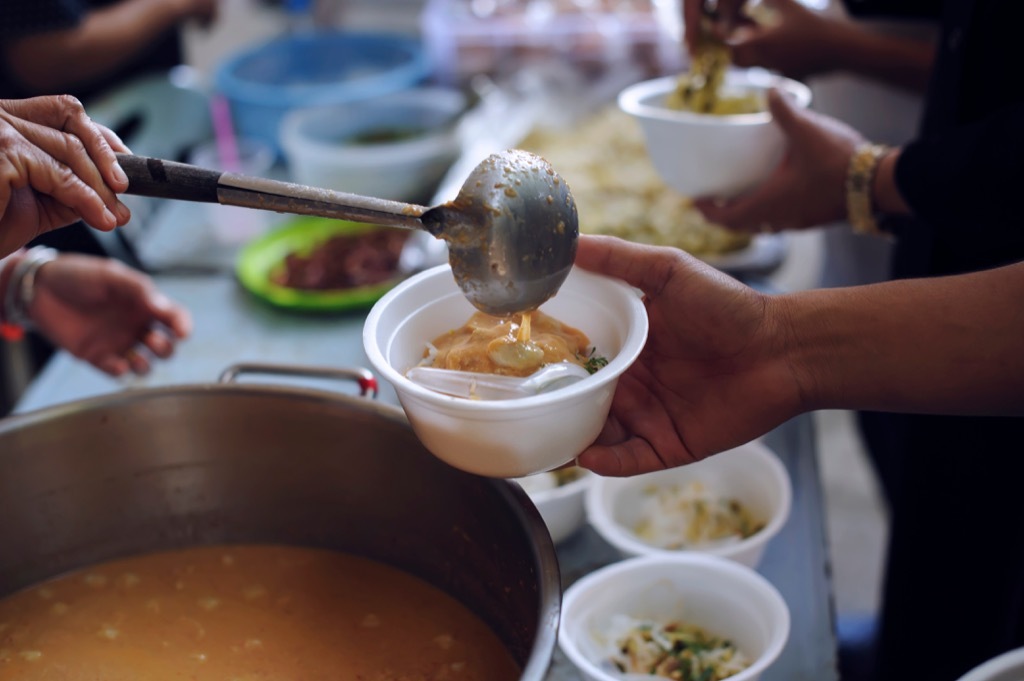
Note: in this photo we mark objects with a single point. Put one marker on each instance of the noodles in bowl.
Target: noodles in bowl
(683, 617)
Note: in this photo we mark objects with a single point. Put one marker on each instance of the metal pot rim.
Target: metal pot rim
(113, 399)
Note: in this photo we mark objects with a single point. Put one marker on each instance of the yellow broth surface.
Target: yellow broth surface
(245, 613)
(498, 345)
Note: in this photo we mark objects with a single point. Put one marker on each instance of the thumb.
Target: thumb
(782, 6)
(645, 267)
(784, 111)
(169, 313)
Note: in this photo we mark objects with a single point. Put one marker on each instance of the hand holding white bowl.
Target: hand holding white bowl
(709, 155)
(505, 438)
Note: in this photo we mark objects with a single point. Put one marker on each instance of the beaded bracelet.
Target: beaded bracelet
(859, 176)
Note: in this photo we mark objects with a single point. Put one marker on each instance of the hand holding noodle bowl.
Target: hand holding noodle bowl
(618, 190)
(513, 437)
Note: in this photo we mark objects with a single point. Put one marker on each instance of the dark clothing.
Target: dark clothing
(954, 592)
(963, 174)
(20, 18)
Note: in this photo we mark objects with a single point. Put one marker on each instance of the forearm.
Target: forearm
(949, 345)
(55, 61)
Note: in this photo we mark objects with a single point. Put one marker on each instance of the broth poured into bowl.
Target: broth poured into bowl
(245, 613)
(511, 346)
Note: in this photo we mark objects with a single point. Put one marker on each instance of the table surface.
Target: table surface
(233, 327)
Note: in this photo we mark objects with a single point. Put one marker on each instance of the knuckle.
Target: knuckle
(74, 145)
(114, 266)
(65, 176)
(70, 104)
(9, 138)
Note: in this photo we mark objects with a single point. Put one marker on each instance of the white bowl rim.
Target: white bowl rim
(1010, 660)
(429, 142)
(723, 566)
(624, 540)
(426, 96)
(633, 99)
(636, 338)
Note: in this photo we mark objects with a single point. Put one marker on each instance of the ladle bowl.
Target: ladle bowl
(511, 231)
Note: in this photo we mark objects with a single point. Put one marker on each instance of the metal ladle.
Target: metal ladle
(511, 231)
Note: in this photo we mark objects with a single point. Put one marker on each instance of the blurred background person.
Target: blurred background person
(84, 47)
(947, 199)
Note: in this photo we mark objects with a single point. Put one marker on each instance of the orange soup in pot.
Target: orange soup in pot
(245, 613)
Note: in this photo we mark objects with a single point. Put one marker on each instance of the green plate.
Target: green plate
(261, 257)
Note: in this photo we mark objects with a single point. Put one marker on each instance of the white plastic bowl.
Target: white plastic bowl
(315, 146)
(1006, 667)
(752, 474)
(720, 596)
(507, 438)
(707, 155)
(562, 507)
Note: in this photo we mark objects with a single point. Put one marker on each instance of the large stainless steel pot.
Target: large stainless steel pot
(150, 469)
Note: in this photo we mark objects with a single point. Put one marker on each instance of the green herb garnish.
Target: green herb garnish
(592, 362)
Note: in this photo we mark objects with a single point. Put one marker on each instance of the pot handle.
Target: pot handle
(363, 377)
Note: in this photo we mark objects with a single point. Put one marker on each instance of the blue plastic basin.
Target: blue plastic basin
(265, 82)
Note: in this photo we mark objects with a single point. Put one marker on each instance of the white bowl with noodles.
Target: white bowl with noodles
(744, 617)
(700, 154)
(516, 437)
(654, 513)
(559, 495)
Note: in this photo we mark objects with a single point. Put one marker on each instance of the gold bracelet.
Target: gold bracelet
(859, 176)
